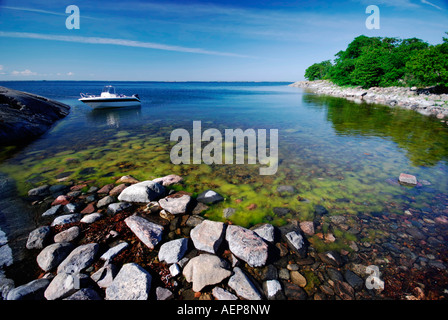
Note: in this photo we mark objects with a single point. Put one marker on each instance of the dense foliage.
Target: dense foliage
(383, 62)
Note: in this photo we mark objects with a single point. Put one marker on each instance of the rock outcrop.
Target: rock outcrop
(25, 116)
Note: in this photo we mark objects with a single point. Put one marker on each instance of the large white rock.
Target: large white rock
(173, 251)
(50, 257)
(208, 235)
(63, 285)
(243, 286)
(142, 192)
(148, 232)
(131, 283)
(247, 245)
(80, 258)
(175, 204)
(204, 270)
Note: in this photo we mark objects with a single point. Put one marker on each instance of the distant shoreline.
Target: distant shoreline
(420, 100)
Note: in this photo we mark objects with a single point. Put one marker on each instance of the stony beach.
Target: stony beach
(139, 240)
(424, 101)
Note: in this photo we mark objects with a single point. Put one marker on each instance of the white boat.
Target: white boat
(110, 99)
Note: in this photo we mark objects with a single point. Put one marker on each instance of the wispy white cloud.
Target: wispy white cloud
(25, 73)
(431, 4)
(117, 42)
(42, 11)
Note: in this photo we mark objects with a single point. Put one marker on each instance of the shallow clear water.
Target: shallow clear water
(344, 156)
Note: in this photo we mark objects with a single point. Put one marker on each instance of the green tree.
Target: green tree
(318, 71)
(429, 67)
(368, 68)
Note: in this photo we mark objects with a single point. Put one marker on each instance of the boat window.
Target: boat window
(109, 89)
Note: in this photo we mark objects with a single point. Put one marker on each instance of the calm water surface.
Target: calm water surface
(338, 154)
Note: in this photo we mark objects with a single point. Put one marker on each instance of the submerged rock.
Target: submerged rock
(407, 179)
(210, 197)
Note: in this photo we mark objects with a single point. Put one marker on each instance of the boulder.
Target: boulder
(84, 294)
(208, 235)
(247, 245)
(50, 257)
(39, 191)
(63, 285)
(25, 116)
(39, 238)
(297, 243)
(266, 231)
(407, 179)
(205, 270)
(307, 227)
(115, 192)
(142, 192)
(112, 252)
(107, 200)
(33, 290)
(127, 179)
(173, 251)
(52, 211)
(114, 208)
(222, 294)
(91, 218)
(273, 289)
(105, 275)
(210, 197)
(148, 232)
(169, 180)
(79, 259)
(163, 294)
(332, 258)
(243, 286)
(67, 218)
(131, 283)
(175, 204)
(67, 235)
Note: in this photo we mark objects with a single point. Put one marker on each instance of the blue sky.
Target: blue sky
(196, 40)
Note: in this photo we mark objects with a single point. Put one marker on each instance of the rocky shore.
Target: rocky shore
(25, 116)
(144, 240)
(424, 101)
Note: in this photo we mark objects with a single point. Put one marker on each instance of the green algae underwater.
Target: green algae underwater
(337, 154)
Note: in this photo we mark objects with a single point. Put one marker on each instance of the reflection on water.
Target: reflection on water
(114, 117)
(424, 139)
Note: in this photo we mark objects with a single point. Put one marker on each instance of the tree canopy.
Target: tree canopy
(383, 62)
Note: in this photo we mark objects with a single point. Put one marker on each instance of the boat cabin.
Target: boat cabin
(108, 92)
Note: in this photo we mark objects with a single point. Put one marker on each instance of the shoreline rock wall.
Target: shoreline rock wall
(422, 101)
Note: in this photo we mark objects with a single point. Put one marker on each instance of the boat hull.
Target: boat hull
(107, 103)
